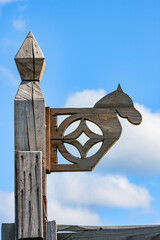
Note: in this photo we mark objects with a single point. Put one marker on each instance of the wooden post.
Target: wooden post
(29, 175)
(52, 230)
(30, 169)
(8, 231)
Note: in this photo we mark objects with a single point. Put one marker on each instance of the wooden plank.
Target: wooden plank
(69, 168)
(53, 147)
(71, 111)
(52, 230)
(48, 162)
(29, 195)
(8, 231)
(81, 228)
(74, 232)
(150, 232)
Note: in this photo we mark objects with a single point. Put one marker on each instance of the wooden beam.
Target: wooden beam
(8, 231)
(29, 114)
(29, 196)
(71, 232)
(47, 125)
(52, 230)
(74, 232)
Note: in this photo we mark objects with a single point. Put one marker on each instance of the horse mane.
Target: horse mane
(116, 99)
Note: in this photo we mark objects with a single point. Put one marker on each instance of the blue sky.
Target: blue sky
(90, 46)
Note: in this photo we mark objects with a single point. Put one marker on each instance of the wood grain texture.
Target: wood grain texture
(30, 60)
(52, 230)
(109, 125)
(74, 232)
(8, 231)
(29, 121)
(104, 115)
(150, 232)
(29, 195)
(53, 146)
(123, 105)
(47, 125)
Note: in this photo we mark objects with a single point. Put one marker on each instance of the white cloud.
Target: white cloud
(6, 73)
(137, 150)
(6, 207)
(65, 214)
(70, 196)
(86, 98)
(19, 24)
(85, 189)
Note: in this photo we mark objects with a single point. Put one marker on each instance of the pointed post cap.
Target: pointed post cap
(30, 60)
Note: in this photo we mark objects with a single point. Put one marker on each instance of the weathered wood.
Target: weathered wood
(109, 125)
(30, 127)
(29, 195)
(8, 231)
(71, 111)
(74, 232)
(29, 116)
(30, 60)
(52, 230)
(150, 232)
(53, 146)
(104, 115)
(109, 137)
(48, 162)
(123, 105)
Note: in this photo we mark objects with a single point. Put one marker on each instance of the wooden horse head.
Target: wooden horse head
(104, 115)
(122, 104)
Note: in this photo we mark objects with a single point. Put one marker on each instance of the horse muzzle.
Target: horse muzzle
(132, 114)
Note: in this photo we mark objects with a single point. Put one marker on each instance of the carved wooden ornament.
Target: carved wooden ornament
(103, 114)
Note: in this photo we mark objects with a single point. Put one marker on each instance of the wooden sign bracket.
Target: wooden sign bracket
(103, 115)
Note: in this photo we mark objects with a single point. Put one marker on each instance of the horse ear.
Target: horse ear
(119, 88)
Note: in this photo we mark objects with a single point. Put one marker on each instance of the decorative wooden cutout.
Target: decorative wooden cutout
(104, 115)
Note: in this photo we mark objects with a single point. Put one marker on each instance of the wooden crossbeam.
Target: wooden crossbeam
(71, 232)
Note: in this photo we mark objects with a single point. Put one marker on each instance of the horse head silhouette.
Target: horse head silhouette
(104, 115)
(122, 104)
